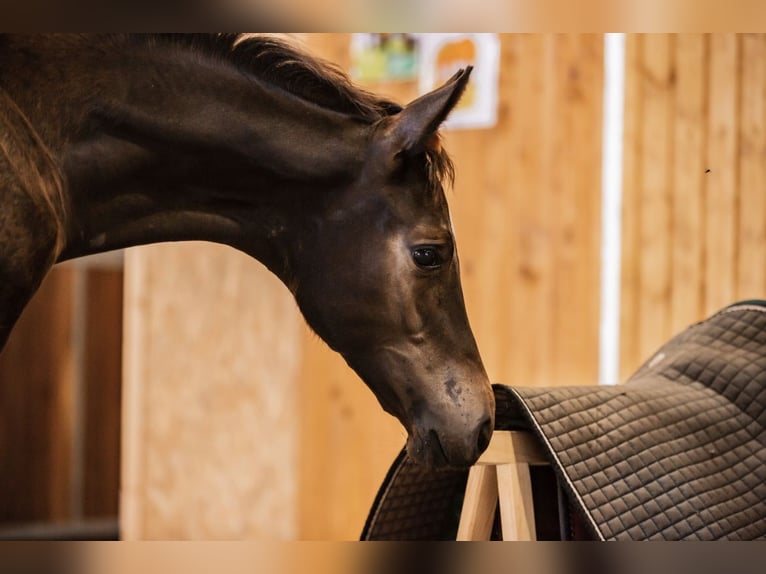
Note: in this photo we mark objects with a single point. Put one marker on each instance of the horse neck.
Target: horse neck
(173, 146)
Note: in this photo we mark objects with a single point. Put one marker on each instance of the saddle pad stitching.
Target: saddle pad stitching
(643, 433)
(720, 518)
(552, 452)
(384, 494)
(758, 308)
(690, 500)
(711, 394)
(698, 385)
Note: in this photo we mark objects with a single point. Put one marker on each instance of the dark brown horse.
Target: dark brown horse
(110, 142)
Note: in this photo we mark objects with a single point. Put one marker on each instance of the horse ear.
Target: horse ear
(419, 120)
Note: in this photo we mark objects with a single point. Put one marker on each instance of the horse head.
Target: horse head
(393, 305)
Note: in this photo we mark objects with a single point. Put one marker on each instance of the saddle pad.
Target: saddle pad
(678, 452)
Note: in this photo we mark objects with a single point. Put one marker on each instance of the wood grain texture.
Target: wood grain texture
(688, 184)
(37, 406)
(513, 447)
(517, 513)
(657, 83)
(751, 228)
(479, 504)
(102, 385)
(631, 208)
(526, 211)
(721, 190)
(211, 358)
(711, 163)
(575, 188)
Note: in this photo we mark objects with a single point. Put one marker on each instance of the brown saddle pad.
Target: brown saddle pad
(677, 452)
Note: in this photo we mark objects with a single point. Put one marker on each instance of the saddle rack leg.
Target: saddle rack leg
(502, 473)
(479, 504)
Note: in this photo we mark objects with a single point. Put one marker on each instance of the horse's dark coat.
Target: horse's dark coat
(120, 140)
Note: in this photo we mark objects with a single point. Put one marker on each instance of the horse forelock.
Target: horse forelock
(439, 166)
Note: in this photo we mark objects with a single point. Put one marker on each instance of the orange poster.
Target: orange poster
(444, 54)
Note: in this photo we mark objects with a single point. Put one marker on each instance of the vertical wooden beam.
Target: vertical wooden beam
(517, 512)
(36, 404)
(751, 248)
(103, 383)
(526, 209)
(631, 207)
(528, 222)
(656, 164)
(479, 504)
(502, 473)
(689, 138)
(721, 190)
(574, 206)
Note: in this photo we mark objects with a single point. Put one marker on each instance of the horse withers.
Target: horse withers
(113, 141)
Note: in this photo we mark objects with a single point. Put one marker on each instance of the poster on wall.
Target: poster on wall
(441, 55)
(384, 57)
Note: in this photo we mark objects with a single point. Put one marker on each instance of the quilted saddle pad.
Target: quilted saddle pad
(677, 452)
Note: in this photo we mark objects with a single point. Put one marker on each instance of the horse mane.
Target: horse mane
(285, 65)
(294, 70)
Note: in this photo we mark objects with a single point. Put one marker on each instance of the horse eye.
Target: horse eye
(426, 257)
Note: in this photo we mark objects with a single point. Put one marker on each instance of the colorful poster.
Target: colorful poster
(444, 54)
(384, 57)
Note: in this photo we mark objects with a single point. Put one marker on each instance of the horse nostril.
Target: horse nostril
(440, 457)
(485, 433)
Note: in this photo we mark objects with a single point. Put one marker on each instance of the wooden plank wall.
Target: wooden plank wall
(102, 375)
(60, 401)
(527, 210)
(694, 204)
(211, 356)
(36, 396)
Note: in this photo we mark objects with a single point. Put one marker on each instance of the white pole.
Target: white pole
(611, 207)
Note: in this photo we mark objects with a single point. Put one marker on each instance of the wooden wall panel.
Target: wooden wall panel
(654, 234)
(211, 357)
(721, 189)
(751, 236)
(527, 213)
(102, 381)
(631, 208)
(59, 403)
(575, 171)
(37, 406)
(689, 138)
(709, 160)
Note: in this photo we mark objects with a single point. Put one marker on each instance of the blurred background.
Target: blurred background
(174, 392)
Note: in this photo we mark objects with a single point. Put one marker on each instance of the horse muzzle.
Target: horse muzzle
(450, 446)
